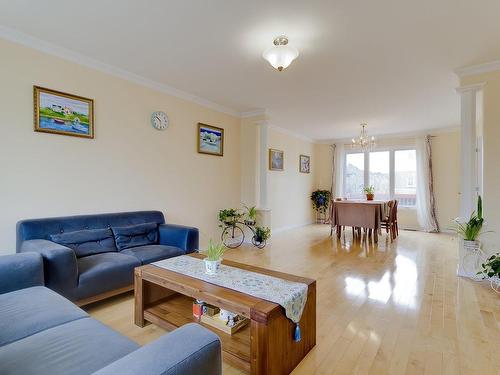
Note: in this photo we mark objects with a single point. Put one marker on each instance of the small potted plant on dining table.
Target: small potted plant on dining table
(214, 253)
(370, 192)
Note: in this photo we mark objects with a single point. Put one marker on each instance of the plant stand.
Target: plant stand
(471, 259)
(495, 283)
(320, 217)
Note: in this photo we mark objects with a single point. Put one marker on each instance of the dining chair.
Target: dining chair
(390, 222)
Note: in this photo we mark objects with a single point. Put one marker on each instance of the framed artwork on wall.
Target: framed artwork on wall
(210, 140)
(276, 160)
(61, 113)
(304, 164)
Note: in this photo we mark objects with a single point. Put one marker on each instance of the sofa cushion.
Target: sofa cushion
(153, 253)
(86, 242)
(31, 310)
(135, 235)
(75, 348)
(104, 272)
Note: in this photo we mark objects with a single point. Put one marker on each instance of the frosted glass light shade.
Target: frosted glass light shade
(280, 56)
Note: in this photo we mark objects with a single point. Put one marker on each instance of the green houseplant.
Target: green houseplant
(214, 253)
(370, 192)
(262, 234)
(320, 200)
(471, 229)
(251, 215)
(491, 268)
(229, 216)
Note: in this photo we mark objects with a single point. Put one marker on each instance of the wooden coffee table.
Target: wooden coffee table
(265, 346)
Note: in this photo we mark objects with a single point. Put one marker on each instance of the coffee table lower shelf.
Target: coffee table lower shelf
(177, 310)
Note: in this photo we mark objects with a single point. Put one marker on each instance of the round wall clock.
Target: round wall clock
(159, 120)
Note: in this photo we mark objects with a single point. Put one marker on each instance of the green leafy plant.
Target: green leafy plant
(229, 216)
(369, 189)
(262, 233)
(491, 267)
(251, 212)
(320, 200)
(215, 250)
(471, 229)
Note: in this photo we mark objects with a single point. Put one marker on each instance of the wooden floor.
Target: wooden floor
(392, 309)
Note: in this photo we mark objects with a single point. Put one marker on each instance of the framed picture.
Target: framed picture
(276, 160)
(304, 164)
(210, 140)
(60, 113)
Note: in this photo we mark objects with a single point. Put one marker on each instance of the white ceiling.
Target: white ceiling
(389, 63)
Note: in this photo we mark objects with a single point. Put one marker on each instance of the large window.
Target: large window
(393, 173)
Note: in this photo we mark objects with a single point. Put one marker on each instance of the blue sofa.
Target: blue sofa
(90, 257)
(41, 333)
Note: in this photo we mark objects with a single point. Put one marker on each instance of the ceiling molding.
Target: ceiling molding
(474, 87)
(254, 113)
(478, 69)
(420, 133)
(75, 57)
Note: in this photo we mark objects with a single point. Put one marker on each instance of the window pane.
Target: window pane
(379, 174)
(354, 175)
(405, 174)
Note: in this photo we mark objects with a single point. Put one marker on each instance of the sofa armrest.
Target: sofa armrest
(19, 271)
(59, 264)
(189, 350)
(186, 238)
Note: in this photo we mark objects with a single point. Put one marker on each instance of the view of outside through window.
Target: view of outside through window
(405, 175)
(354, 175)
(379, 174)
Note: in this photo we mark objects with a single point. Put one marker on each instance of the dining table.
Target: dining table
(359, 213)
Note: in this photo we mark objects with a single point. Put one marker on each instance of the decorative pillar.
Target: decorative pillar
(469, 166)
(264, 212)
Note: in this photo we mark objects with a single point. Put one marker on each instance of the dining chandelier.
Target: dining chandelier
(363, 142)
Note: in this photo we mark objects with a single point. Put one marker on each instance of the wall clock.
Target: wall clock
(159, 120)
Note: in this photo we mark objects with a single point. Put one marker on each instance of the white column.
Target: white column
(263, 162)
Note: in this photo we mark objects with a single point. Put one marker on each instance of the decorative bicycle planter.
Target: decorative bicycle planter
(233, 234)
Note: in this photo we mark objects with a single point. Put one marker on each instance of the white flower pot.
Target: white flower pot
(471, 258)
(471, 246)
(212, 266)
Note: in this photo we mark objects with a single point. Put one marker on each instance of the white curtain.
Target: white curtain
(425, 207)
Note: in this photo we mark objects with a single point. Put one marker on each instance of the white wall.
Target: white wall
(128, 166)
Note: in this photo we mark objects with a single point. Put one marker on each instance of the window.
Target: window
(354, 175)
(405, 174)
(393, 173)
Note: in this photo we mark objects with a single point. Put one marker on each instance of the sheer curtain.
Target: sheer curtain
(425, 194)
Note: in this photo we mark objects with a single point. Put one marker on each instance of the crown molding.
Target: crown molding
(254, 113)
(75, 57)
(291, 133)
(478, 69)
(474, 87)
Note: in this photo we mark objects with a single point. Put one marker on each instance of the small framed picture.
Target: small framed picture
(61, 113)
(304, 164)
(276, 160)
(210, 140)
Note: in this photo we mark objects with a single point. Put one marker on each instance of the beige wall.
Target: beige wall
(128, 166)
(491, 157)
(290, 190)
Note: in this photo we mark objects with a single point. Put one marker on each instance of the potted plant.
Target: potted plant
(214, 254)
(320, 200)
(491, 270)
(471, 229)
(251, 215)
(370, 192)
(261, 236)
(229, 216)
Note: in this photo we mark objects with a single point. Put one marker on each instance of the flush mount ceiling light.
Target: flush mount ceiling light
(281, 55)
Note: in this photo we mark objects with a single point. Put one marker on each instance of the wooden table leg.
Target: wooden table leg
(138, 299)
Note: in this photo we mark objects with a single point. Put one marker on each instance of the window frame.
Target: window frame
(392, 164)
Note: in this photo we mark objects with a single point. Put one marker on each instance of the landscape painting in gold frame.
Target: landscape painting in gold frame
(210, 140)
(61, 113)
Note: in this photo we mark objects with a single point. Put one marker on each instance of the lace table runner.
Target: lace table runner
(291, 295)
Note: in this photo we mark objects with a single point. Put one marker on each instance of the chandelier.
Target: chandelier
(281, 55)
(363, 142)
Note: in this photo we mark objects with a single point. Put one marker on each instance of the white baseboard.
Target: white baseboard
(288, 227)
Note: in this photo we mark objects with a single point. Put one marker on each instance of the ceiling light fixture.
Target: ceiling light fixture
(363, 142)
(281, 55)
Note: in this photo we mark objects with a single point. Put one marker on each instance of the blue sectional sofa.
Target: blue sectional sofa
(90, 257)
(42, 333)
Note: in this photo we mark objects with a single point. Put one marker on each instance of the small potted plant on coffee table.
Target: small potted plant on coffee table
(370, 192)
(214, 253)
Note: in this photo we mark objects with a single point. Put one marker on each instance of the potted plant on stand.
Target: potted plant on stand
(491, 271)
(471, 256)
(214, 254)
(370, 192)
(321, 200)
(261, 236)
(251, 215)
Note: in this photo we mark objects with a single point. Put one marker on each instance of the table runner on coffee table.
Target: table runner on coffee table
(292, 296)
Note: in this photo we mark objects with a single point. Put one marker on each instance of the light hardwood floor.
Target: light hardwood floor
(389, 309)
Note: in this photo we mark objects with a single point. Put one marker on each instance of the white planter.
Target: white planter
(471, 258)
(212, 266)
